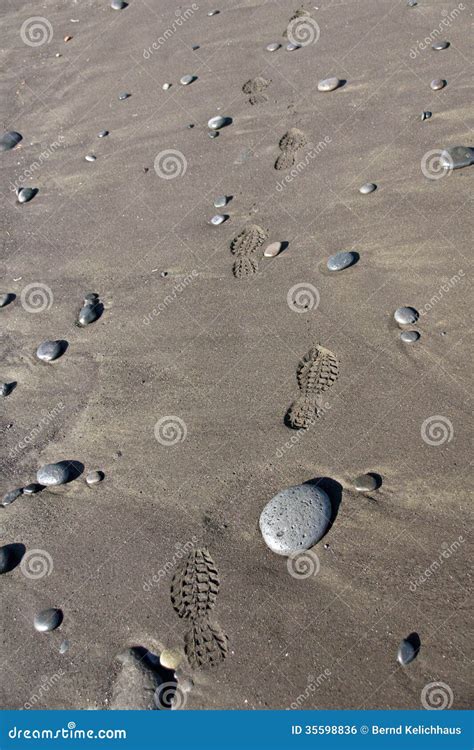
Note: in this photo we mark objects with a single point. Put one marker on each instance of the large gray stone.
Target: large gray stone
(295, 519)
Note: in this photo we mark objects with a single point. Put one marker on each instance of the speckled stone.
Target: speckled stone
(272, 47)
(10, 497)
(339, 261)
(440, 45)
(457, 157)
(94, 477)
(409, 337)
(48, 351)
(437, 84)
(406, 316)
(9, 140)
(365, 483)
(53, 474)
(48, 619)
(295, 519)
(329, 84)
(369, 187)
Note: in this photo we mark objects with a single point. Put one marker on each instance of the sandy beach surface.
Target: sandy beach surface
(214, 357)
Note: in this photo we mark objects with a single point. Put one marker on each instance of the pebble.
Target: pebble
(8, 558)
(273, 47)
(213, 134)
(90, 297)
(291, 47)
(440, 45)
(6, 298)
(32, 489)
(426, 115)
(295, 519)
(170, 658)
(94, 477)
(366, 483)
(89, 313)
(91, 157)
(407, 651)
(118, 4)
(409, 337)
(369, 187)
(48, 619)
(53, 474)
(329, 84)
(124, 95)
(25, 194)
(457, 157)
(64, 647)
(10, 497)
(213, 12)
(6, 389)
(9, 140)
(272, 250)
(102, 134)
(218, 122)
(339, 261)
(195, 47)
(49, 350)
(406, 316)
(166, 86)
(186, 80)
(437, 84)
(67, 38)
(218, 219)
(220, 202)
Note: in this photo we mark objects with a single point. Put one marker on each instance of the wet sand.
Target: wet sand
(221, 353)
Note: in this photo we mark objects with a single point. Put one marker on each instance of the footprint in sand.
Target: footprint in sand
(246, 249)
(317, 371)
(205, 644)
(290, 143)
(255, 90)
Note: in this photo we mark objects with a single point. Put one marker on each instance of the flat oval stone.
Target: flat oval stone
(220, 202)
(26, 194)
(124, 95)
(272, 47)
(369, 187)
(8, 558)
(48, 619)
(170, 658)
(409, 337)
(407, 651)
(118, 4)
(53, 474)
(6, 298)
(218, 219)
(32, 489)
(456, 157)
(218, 122)
(213, 134)
(64, 647)
(186, 80)
(10, 497)
(49, 350)
(295, 519)
(102, 134)
(272, 250)
(91, 157)
(329, 84)
(88, 314)
(213, 12)
(437, 84)
(440, 45)
(406, 316)
(366, 483)
(339, 261)
(9, 140)
(94, 477)
(291, 46)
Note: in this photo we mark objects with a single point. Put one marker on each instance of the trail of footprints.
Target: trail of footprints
(246, 248)
(316, 373)
(289, 145)
(194, 590)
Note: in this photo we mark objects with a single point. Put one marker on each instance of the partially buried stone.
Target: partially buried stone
(10, 497)
(437, 84)
(186, 80)
(25, 194)
(53, 474)
(218, 219)
(118, 4)
(339, 261)
(406, 316)
(273, 47)
(48, 619)
(94, 477)
(329, 84)
(366, 483)
(49, 350)
(272, 250)
(426, 115)
(369, 187)
(32, 489)
(457, 157)
(9, 140)
(295, 519)
(409, 337)
(440, 45)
